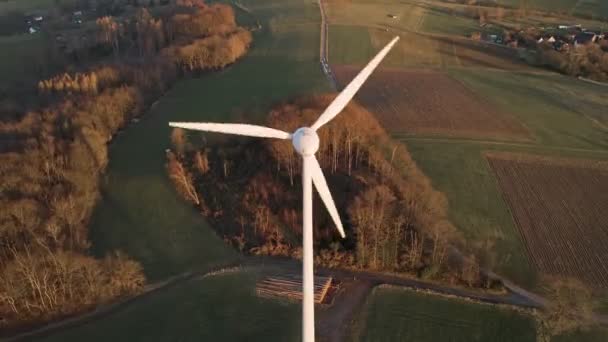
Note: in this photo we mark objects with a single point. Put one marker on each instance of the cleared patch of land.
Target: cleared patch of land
(393, 314)
(429, 102)
(561, 210)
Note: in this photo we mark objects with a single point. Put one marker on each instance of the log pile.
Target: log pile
(290, 286)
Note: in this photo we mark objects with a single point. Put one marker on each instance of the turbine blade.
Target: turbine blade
(239, 129)
(318, 179)
(349, 92)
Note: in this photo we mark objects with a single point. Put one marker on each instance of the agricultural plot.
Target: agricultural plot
(558, 110)
(476, 206)
(440, 21)
(21, 56)
(399, 315)
(417, 102)
(218, 308)
(8, 6)
(407, 16)
(356, 45)
(561, 209)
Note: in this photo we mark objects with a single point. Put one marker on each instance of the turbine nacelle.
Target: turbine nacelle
(306, 141)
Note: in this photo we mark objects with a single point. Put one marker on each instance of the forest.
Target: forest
(395, 221)
(54, 148)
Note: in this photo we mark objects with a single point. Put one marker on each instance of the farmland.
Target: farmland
(219, 308)
(354, 45)
(22, 56)
(558, 110)
(560, 210)
(400, 315)
(416, 102)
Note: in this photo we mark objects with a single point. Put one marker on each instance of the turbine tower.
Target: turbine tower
(306, 143)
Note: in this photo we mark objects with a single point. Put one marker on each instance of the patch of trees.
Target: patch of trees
(590, 60)
(51, 160)
(395, 220)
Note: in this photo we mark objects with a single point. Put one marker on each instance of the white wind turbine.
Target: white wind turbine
(306, 142)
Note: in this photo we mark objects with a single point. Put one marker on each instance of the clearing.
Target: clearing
(429, 102)
(561, 210)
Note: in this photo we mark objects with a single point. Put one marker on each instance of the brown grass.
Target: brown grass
(561, 211)
(429, 102)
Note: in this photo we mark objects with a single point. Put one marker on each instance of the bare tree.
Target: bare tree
(181, 178)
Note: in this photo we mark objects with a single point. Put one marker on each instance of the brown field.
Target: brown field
(430, 102)
(561, 210)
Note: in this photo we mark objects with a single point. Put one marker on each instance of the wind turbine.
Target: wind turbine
(306, 143)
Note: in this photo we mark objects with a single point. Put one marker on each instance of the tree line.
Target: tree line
(395, 220)
(53, 154)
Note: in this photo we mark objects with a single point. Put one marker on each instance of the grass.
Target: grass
(349, 45)
(218, 308)
(476, 204)
(439, 22)
(375, 14)
(588, 8)
(21, 56)
(401, 315)
(357, 45)
(140, 212)
(7, 6)
(597, 334)
(557, 109)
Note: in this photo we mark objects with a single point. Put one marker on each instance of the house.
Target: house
(585, 38)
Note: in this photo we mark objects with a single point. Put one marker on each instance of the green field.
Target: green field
(7, 6)
(440, 22)
(556, 109)
(218, 308)
(593, 8)
(22, 57)
(401, 315)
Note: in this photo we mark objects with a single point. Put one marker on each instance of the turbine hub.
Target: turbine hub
(305, 141)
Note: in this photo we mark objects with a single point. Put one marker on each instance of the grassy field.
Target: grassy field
(401, 315)
(440, 22)
(140, 212)
(593, 8)
(219, 308)
(7, 6)
(409, 15)
(560, 111)
(21, 56)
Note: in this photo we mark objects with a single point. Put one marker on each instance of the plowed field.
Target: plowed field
(429, 102)
(561, 210)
